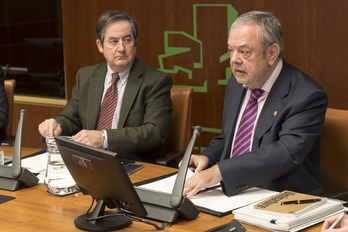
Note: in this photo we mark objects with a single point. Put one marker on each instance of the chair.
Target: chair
(334, 154)
(179, 130)
(9, 88)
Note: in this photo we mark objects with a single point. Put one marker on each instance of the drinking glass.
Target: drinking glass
(2, 156)
(58, 180)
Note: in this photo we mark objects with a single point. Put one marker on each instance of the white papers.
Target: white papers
(217, 201)
(36, 164)
(163, 185)
(252, 216)
(213, 200)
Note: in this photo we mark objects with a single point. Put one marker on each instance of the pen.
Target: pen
(300, 201)
(337, 221)
(56, 123)
(209, 188)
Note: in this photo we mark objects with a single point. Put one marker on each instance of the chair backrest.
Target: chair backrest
(9, 88)
(179, 130)
(334, 150)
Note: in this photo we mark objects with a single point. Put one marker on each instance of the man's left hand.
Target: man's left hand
(90, 137)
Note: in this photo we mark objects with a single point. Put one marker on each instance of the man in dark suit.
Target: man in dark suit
(3, 106)
(284, 146)
(142, 115)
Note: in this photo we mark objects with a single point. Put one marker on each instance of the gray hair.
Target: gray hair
(269, 27)
(113, 16)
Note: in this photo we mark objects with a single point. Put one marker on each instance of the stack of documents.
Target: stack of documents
(256, 217)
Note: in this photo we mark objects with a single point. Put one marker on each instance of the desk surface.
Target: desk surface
(34, 209)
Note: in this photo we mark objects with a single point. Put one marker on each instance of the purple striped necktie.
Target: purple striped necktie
(246, 125)
(108, 106)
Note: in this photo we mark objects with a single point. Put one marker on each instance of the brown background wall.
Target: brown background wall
(314, 30)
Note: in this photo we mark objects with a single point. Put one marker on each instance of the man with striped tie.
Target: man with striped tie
(272, 118)
(123, 104)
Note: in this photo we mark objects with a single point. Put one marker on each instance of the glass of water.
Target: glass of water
(58, 180)
(2, 157)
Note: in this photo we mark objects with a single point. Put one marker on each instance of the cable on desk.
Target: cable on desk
(148, 222)
(121, 211)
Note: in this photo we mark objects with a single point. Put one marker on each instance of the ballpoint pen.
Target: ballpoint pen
(300, 201)
(337, 221)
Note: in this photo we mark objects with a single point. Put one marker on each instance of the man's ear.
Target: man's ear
(273, 53)
(99, 46)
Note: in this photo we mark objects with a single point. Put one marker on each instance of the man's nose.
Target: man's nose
(121, 46)
(235, 58)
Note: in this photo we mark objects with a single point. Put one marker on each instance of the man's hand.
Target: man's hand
(197, 163)
(90, 137)
(49, 128)
(341, 226)
(201, 180)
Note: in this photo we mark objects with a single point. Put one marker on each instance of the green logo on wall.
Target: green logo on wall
(186, 54)
(196, 44)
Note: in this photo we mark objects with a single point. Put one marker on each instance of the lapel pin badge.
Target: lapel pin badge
(275, 113)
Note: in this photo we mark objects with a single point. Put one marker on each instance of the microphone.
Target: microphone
(168, 207)
(178, 188)
(17, 152)
(11, 177)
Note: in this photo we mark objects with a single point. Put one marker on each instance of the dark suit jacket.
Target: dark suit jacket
(3, 107)
(285, 149)
(145, 113)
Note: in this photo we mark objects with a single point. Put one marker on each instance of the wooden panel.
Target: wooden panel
(314, 32)
(36, 113)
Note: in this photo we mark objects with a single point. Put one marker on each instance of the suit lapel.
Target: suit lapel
(95, 93)
(273, 105)
(132, 89)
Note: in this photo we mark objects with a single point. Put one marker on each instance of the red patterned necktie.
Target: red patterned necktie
(108, 106)
(246, 125)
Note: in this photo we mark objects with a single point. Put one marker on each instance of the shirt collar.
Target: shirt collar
(269, 83)
(123, 75)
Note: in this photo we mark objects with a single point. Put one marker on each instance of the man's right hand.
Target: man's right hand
(197, 163)
(50, 128)
(341, 226)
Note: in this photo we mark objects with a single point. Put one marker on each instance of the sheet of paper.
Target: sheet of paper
(36, 164)
(214, 199)
(165, 185)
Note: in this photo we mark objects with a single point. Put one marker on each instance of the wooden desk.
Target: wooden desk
(34, 209)
(8, 150)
